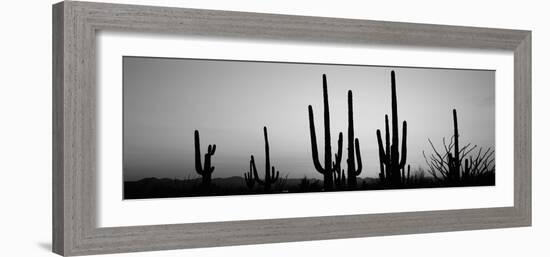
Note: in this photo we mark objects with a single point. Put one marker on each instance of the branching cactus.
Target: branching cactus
(206, 171)
(390, 163)
(353, 147)
(329, 167)
(270, 175)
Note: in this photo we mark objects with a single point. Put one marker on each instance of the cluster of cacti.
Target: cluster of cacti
(330, 167)
(206, 171)
(447, 166)
(270, 175)
(333, 174)
(394, 170)
(391, 165)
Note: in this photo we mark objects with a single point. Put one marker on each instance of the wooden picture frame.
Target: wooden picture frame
(74, 127)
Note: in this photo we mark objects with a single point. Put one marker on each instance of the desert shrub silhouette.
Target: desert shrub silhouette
(447, 166)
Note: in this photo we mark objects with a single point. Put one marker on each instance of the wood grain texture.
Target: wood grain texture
(58, 192)
(74, 123)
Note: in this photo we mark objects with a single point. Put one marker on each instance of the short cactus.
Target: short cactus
(270, 175)
(206, 171)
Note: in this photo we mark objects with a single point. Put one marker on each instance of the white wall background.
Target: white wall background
(25, 132)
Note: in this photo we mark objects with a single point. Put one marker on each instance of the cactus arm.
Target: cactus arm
(314, 152)
(358, 155)
(198, 164)
(381, 154)
(338, 156)
(252, 168)
(404, 146)
(381, 151)
(408, 172)
(388, 154)
(274, 175)
(255, 171)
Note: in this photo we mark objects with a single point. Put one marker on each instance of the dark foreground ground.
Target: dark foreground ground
(165, 188)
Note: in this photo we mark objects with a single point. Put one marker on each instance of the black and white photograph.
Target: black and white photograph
(172, 128)
(198, 127)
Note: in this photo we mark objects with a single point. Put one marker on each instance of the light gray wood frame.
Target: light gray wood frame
(74, 126)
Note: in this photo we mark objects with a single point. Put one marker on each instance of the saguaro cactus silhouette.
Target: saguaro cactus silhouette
(353, 147)
(454, 160)
(206, 171)
(249, 178)
(270, 175)
(390, 164)
(330, 166)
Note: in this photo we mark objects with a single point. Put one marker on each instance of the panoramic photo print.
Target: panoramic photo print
(197, 127)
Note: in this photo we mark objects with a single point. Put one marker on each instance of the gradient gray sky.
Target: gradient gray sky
(229, 102)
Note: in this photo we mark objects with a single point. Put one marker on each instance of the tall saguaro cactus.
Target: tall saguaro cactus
(206, 171)
(353, 147)
(390, 164)
(330, 166)
(270, 175)
(454, 160)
